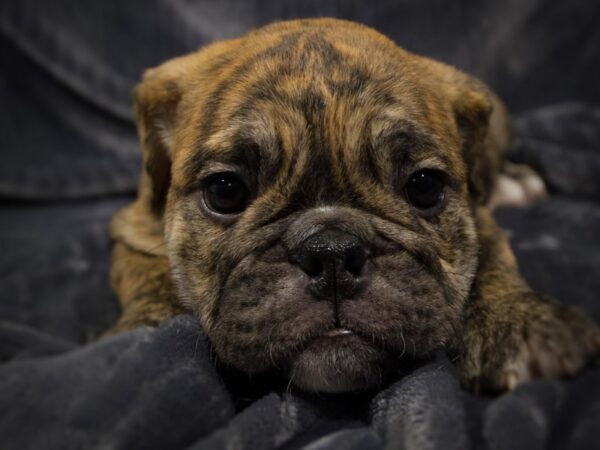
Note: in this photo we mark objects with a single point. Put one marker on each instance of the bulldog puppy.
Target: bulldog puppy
(315, 196)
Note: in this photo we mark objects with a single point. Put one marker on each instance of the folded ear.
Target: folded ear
(486, 134)
(156, 100)
(483, 125)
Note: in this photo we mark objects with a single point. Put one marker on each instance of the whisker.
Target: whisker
(288, 389)
(211, 355)
(196, 346)
(403, 342)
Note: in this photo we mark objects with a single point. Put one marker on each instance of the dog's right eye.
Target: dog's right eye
(225, 193)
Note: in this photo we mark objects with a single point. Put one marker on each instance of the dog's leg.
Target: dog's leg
(512, 334)
(144, 287)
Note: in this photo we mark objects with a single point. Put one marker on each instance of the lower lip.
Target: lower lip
(338, 339)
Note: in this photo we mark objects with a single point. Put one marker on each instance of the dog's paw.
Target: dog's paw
(541, 340)
(555, 344)
(517, 185)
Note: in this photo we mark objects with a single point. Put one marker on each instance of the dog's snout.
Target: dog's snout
(334, 260)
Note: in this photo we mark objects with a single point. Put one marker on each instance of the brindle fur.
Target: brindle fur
(325, 119)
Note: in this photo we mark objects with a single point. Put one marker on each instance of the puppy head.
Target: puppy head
(313, 184)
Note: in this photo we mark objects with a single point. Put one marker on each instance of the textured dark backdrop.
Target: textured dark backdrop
(70, 158)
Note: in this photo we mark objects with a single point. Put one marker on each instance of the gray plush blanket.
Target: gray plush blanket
(70, 160)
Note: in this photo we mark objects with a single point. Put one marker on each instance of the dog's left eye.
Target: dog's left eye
(425, 188)
(226, 193)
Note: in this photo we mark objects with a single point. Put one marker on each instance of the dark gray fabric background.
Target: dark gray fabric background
(70, 159)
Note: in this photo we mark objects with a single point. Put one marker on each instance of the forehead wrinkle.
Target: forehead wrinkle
(406, 141)
(308, 135)
(253, 145)
(253, 128)
(345, 124)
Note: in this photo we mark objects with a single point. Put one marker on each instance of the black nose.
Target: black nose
(334, 260)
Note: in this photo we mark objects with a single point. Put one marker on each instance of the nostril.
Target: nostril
(355, 260)
(312, 266)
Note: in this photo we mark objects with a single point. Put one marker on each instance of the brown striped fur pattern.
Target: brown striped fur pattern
(325, 120)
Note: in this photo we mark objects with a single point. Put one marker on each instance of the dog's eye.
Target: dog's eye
(425, 188)
(225, 193)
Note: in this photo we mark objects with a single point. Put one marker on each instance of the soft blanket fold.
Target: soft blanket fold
(158, 389)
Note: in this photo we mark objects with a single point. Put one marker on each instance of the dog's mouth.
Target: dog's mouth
(338, 332)
(331, 340)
